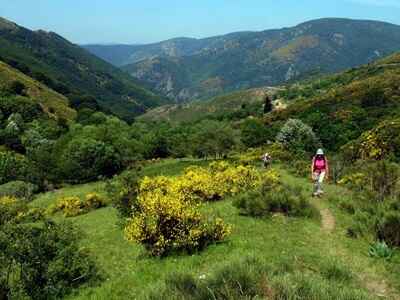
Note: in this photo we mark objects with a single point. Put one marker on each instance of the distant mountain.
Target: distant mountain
(72, 71)
(186, 69)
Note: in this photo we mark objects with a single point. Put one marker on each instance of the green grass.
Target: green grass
(313, 260)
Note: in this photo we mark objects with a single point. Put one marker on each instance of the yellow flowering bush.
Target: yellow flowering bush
(167, 217)
(8, 201)
(198, 183)
(73, 206)
(167, 223)
(31, 215)
(379, 143)
(70, 206)
(355, 179)
(94, 201)
(372, 147)
(12, 210)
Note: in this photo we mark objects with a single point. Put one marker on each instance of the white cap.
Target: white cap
(320, 152)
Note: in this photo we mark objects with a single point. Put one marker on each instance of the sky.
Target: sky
(146, 21)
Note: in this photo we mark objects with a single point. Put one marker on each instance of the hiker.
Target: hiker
(319, 171)
(266, 158)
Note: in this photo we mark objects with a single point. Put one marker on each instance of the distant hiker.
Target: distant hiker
(319, 171)
(266, 158)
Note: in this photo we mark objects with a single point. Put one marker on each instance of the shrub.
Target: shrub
(380, 179)
(166, 223)
(32, 215)
(74, 206)
(42, 261)
(70, 206)
(279, 153)
(18, 189)
(347, 206)
(16, 88)
(275, 197)
(300, 168)
(123, 192)
(389, 229)
(10, 208)
(14, 167)
(363, 223)
(382, 142)
(165, 215)
(94, 201)
(298, 137)
(206, 184)
(380, 250)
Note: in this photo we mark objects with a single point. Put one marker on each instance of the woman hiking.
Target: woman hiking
(319, 171)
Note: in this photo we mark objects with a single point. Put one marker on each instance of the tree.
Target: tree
(298, 137)
(267, 104)
(212, 138)
(85, 159)
(253, 133)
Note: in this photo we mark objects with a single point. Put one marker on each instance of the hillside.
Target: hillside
(186, 69)
(232, 104)
(300, 258)
(51, 102)
(72, 71)
(341, 107)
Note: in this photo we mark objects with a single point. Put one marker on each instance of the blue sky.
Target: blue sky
(144, 21)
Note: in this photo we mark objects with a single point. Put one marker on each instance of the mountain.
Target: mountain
(72, 71)
(120, 55)
(186, 69)
(51, 102)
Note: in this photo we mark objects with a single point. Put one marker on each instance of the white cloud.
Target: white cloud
(387, 3)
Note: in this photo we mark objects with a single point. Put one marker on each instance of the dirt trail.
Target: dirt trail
(376, 287)
(328, 222)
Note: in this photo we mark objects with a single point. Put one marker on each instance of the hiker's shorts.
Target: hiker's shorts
(319, 176)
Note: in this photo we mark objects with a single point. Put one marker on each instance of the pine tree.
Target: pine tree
(267, 104)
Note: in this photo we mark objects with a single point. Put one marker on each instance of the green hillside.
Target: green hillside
(51, 102)
(237, 104)
(341, 107)
(72, 71)
(276, 257)
(199, 69)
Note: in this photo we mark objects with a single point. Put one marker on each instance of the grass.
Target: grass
(300, 258)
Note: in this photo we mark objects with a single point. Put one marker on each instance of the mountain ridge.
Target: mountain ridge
(190, 69)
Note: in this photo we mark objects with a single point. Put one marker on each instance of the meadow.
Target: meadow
(302, 257)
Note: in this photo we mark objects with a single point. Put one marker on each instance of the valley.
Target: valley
(181, 169)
